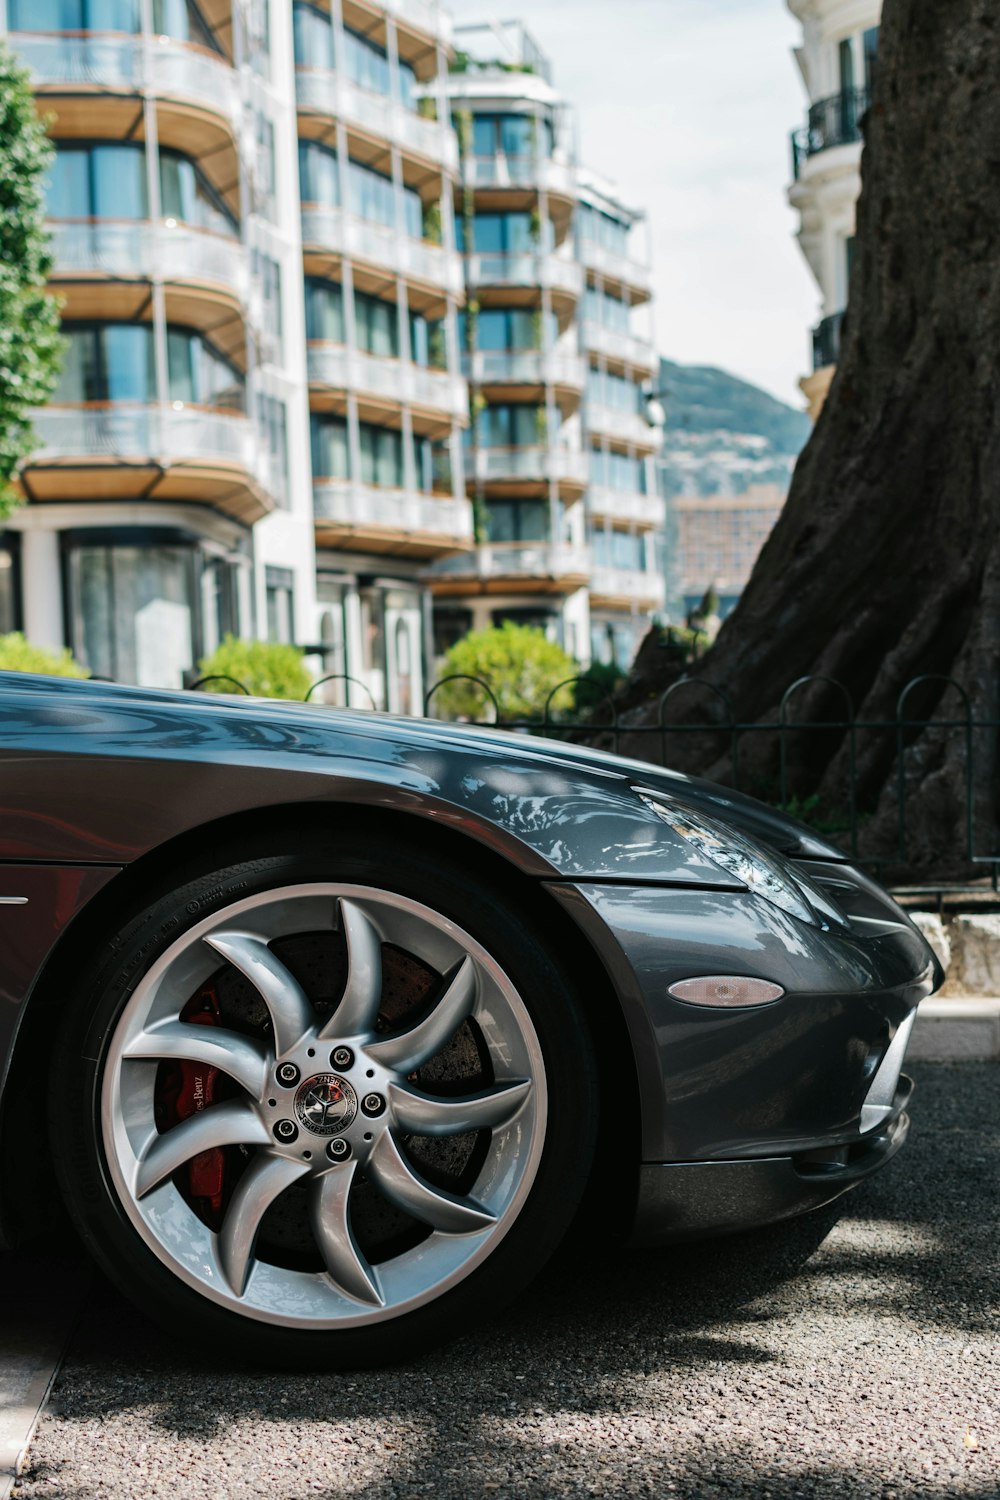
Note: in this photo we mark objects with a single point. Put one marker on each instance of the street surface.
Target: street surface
(854, 1357)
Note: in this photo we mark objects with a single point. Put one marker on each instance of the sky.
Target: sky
(688, 106)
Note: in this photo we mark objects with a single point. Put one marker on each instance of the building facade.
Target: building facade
(559, 449)
(837, 60)
(350, 345)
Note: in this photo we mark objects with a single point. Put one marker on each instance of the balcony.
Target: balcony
(617, 271)
(426, 16)
(518, 567)
(625, 349)
(826, 341)
(620, 505)
(529, 466)
(387, 381)
(99, 64)
(143, 251)
(147, 451)
(627, 588)
(331, 231)
(534, 174)
(320, 91)
(526, 368)
(366, 518)
(831, 122)
(627, 428)
(533, 269)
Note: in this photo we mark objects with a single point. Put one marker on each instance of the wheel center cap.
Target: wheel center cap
(325, 1104)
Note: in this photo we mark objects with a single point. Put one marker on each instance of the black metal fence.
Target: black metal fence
(841, 818)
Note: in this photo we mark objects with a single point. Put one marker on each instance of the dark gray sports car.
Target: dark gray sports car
(327, 1026)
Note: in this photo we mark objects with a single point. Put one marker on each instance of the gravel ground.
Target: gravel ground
(837, 1357)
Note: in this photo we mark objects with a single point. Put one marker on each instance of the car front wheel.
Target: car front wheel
(340, 1097)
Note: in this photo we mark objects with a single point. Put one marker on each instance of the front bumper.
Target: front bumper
(692, 1200)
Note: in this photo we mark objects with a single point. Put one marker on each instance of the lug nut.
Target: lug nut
(288, 1074)
(341, 1057)
(286, 1130)
(372, 1104)
(338, 1149)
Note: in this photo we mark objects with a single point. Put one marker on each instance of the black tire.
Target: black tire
(503, 920)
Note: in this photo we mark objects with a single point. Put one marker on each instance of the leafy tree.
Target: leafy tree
(30, 343)
(19, 655)
(884, 565)
(520, 665)
(266, 669)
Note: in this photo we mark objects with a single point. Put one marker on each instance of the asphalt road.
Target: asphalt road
(854, 1357)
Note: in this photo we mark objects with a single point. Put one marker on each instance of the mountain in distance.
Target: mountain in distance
(723, 436)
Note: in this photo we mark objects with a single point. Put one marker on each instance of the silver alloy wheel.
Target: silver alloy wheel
(371, 1105)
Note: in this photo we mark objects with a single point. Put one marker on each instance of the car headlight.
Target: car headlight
(760, 871)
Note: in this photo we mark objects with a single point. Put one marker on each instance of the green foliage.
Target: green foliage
(535, 226)
(427, 107)
(597, 685)
(463, 126)
(684, 643)
(31, 346)
(267, 669)
(521, 666)
(18, 655)
(432, 222)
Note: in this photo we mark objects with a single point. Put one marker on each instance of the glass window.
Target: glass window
(366, 62)
(407, 85)
(273, 419)
(614, 391)
(265, 178)
(377, 325)
(330, 451)
(319, 176)
(507, 426)
(67, 185)
(279, 589)
(600, 229)
(199, 373)
(381, 456)
(869, 42)
(617, 471)
(500, 328)
(183, 20)
(433, 465)
(131, 614)
(324, 311)
(619, 549)
(518, 521)
(98, 182)
(73, 15)
(504, 233)
(607, 310)
(268, 274)
(511, 134)
(186, 194)
(846, 57)
(107, 362)
(313, 34)
(219, 602)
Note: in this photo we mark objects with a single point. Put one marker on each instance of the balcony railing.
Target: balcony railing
(557, 561)
(620, 505)
(614, 344)
(622, 426)
(645, 590)
(831, 122)
(389, 379)
(175, 252)
(525, 367)
(525, 268)
(366, 507)
(166, 435)
(424, 15)
(535, 173)
(331, 229)
(613, 266)
(826, 341)
(532, 462)
(329, 93)
(129, 64)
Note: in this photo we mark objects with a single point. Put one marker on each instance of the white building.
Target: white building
(264, 248)
(837, 59)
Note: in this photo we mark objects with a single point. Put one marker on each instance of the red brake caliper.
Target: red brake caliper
(185, 1089)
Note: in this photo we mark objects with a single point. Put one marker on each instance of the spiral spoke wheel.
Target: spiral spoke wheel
(323, 1102)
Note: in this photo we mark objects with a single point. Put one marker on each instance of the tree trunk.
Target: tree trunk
(885, 564)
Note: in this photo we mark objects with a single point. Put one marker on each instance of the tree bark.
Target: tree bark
(885, 565)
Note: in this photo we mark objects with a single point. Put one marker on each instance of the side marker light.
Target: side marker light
(726, 991)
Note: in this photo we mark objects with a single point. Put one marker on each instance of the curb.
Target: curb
(960, 1030)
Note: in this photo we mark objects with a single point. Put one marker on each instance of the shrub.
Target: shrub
(520, 665)
(267, 669)
(19, 655)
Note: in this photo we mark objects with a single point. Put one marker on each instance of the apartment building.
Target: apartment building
(559, 450)
(836, 59)
(290, 239)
